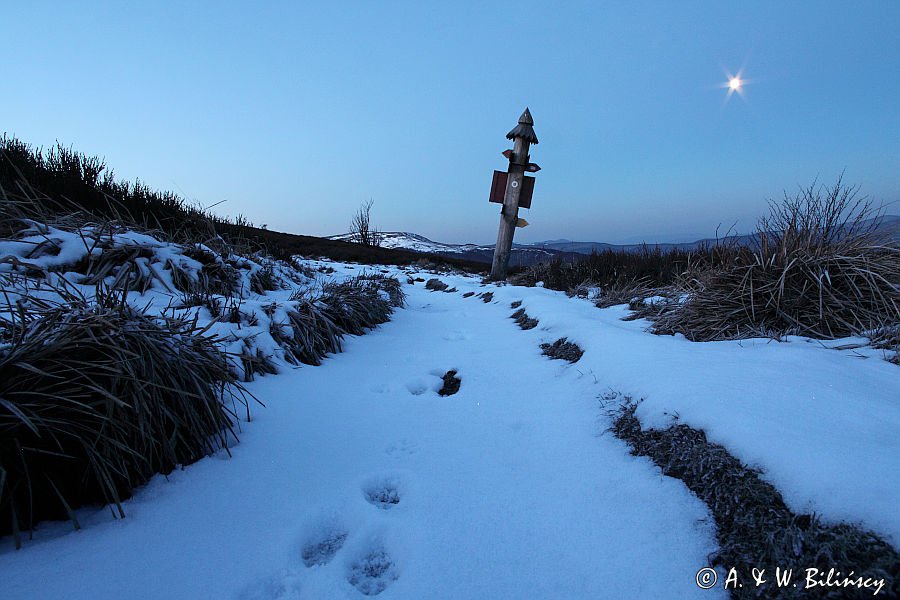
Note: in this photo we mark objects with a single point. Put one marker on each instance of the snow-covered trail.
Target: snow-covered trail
(358, 478)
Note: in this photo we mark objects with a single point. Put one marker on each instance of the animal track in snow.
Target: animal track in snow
(283, 586)
(383, 492)
(373, 572)
(323, 542)
(456, 336)
(404, 447)
(417, 387)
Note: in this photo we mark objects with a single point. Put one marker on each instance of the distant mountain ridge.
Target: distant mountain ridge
(521, 255)
(567, 250)
(888, 224)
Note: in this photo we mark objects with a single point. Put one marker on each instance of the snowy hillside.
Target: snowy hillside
(411, 241)
(359, 478)
(521, 254)
(536, 251)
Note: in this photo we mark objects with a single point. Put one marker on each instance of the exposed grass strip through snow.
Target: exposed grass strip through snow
(754, 527)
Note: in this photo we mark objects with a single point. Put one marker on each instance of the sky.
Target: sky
(296, 113)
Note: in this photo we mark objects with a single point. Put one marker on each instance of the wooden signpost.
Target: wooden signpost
(513, 189)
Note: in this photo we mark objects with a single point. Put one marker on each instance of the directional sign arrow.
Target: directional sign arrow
(520, 222)
(532, 168)
(508, 154)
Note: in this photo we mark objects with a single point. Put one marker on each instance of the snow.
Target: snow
(411, 241)
(54, 251)
(358, 478)
(820, 419)
(508, 489)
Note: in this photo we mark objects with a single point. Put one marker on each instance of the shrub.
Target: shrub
(651, 265)
(357, 304)
(361, 229)
(623, 292)
(313, 334)
(319, 322)
(97, 398)
(819, 269)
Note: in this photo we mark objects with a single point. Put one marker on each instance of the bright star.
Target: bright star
(735, 83)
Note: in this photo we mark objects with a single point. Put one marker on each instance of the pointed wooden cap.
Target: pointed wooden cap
(524, 129)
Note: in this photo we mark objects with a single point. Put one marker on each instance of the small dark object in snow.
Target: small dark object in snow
(321, 551)
(373, 573)
(516, 304)
(419, 279)
(436, 285)
(487, 297)
(468, 294)
(563, 349)
(385, 495)
(410, 280)
(524, 321)
(451, 383)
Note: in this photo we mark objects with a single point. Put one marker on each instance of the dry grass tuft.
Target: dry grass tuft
(361, 303)
(888, 338)
(563, 349)
(524, 321)
(624, 292)
(131, 267)
(308, 335)
(95, 398)
(610, 267)
(265, 280)
(436, 285)
(317, 325)
(820, 269)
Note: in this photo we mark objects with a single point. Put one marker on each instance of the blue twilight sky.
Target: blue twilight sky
(297, 112)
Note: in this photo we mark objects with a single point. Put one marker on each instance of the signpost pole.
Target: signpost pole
(523, 136)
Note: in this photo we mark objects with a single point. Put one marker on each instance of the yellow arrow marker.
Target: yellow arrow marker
(521, 223)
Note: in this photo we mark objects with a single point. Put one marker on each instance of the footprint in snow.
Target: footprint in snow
(322, 541)
(455, 336)
(373, 571)
(383, 492)
(284, 586)
(417, 387)
(404, 447)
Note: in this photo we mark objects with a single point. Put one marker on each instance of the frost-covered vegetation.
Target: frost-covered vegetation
(123, 348)
(754, 526)
(818, 266)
